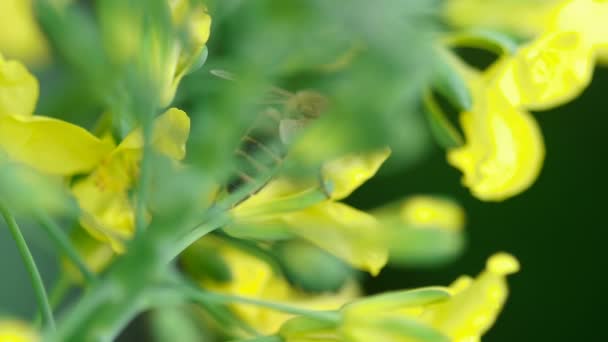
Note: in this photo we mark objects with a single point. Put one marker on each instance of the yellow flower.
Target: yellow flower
(588, 17)
(346, 232)
(475, 304)
(167, 61)
(341, 230)
(535, 17)
(461, 313)
(549, 71)
(427, 211)
(20, 36)
(103, 196)
(196, 23)
(347, 173)
(45, 144)
(16, 331)
(95, 254)
(252, 277)
(504, 148)
(528, 17)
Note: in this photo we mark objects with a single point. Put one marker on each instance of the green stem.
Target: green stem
(56, 295)
(262, 339)
(30, 265)
(144, 178)
(210, 297)
(62, 241)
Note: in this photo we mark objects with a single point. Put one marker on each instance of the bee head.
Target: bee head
(307, 104)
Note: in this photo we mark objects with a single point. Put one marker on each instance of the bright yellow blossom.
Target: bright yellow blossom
(45, 144)
(475, 304)
(531, 18)
(549, 71)
(104, 195)
(343, 231)
(20, 35)
(347, 173)
(587, 17)
(525, 17)
(504, 148)
(427, 211)
(252, 277)
(167, 61)
(461, 313)
(16, 331)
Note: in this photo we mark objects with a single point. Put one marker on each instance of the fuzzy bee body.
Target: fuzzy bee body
(264, 145)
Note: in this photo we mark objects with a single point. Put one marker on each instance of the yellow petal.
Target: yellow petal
(528, 17)
(349, 234)
(171, 132)
(169, 135)
(50, 145)
(504, 150)
(196, 24)
(548, 72)
(432, 212)
(253, 277)
(197, 20)
(18, 87)
(106, 214)
(472, 310)
(17, 331)
(20, 35)
(585, 16)
(346, 174)
(95, 254)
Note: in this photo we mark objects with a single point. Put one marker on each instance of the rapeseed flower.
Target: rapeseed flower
(342, 230)
(252, 276)
(504, 148)
(17, 331)
(103, 195)
(46, 144)
(170, 52)
(20, 35)
(462, 312)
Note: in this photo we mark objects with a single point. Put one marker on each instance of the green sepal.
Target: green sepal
(397, 300)
(488, 40)
(303, 325)
(446, 135)
(203, 260)
(310, 267)
(403, 329)
(449, 83)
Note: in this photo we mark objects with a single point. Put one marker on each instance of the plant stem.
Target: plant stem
(41, 296)
(207, 297)
(64, 243)
(144, 179)
(56, 295)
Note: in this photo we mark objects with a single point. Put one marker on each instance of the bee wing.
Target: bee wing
(289, 129)
(281, 93)
(223, 74)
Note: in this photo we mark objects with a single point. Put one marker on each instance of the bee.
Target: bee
(264, 144)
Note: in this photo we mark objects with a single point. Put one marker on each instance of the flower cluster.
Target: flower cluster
(281, 256)
(504, 147)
